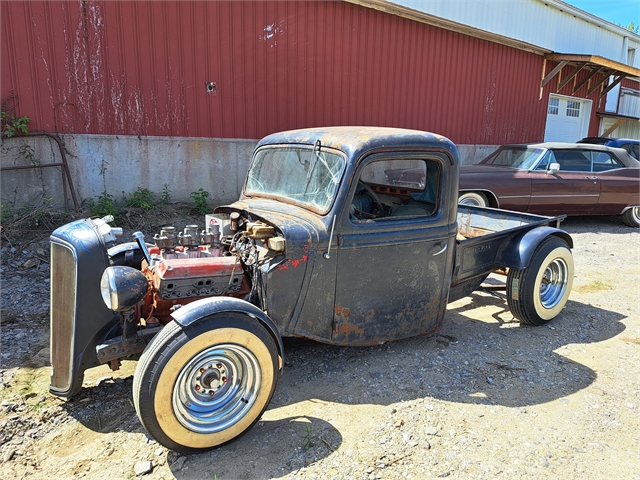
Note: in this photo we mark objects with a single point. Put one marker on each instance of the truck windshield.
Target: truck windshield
(301, 174)
(522, 158)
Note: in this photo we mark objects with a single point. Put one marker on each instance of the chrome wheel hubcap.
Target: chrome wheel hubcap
(554, 283)
(216, 388)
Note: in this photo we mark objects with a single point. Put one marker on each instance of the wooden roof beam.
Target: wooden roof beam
(598, 84)
(572, 75)
(586, 79)
(553, 73)
(611, 129)
(628, 70)
(612, 85)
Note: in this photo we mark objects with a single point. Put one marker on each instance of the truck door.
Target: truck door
(395, 249)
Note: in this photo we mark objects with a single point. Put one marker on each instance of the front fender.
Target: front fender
(196, 311)
(517, 251)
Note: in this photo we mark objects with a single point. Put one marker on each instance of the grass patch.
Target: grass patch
(30, 384)
(592, 287)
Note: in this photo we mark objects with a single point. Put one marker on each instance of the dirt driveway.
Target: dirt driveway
(484, 398)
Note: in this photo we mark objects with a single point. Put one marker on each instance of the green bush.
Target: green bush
(13, 126)
(165, 198)
(102, 206)
(200, 200)
(142, 198)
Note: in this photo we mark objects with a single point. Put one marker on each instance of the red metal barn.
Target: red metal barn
(244, 69)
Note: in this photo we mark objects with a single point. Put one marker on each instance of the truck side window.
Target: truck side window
(396, 189)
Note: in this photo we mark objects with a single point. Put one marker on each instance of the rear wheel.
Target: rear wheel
(631, 217)
(473, 198)
(200, 386)
(537, 293)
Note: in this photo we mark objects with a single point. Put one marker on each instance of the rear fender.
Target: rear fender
(518, 250)
(200, 309)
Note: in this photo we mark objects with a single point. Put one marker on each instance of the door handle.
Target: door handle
(441, 250)
(592, 178)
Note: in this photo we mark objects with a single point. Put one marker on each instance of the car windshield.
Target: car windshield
(305, 175)
(523, 158)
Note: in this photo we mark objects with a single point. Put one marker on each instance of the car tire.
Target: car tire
(203, 385)
(537, 293)
(631, 217)
(473, 198)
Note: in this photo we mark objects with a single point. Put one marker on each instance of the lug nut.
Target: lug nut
(197, 387)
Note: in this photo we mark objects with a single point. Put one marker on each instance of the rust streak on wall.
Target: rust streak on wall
(141, 68)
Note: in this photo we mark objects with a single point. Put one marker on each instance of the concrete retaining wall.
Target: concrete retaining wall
(119, 165)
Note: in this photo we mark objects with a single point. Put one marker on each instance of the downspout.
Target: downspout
(624, 55)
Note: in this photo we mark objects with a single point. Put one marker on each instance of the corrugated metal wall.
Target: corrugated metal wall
(552, 25)
(141, 68)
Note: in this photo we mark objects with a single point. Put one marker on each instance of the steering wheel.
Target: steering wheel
(374, 197)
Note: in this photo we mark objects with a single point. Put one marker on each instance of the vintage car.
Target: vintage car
(630, 145)
(327, 242)
(556, 178)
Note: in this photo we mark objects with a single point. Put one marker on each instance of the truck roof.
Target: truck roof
(357, 140)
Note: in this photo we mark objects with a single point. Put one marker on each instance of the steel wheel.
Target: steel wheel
(553, 283)
(203, 385)
(216, 388)
(537, 293)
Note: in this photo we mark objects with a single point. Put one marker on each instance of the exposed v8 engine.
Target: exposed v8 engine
(145, 283)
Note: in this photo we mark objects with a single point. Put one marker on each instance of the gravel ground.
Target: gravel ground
(484, 398)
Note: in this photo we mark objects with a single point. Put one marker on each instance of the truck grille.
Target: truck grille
(62, 316)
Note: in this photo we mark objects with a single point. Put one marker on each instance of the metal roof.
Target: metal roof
(538, 26)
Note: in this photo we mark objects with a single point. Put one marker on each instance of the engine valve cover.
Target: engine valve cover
(198, 277)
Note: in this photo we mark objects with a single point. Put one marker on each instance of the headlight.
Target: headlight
(123, 287)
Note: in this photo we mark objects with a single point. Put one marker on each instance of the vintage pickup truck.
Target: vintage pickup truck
(348, 236)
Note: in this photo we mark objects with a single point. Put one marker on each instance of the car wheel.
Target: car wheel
(631, 217)
(200, 386)
(537, 293)
(473, 198)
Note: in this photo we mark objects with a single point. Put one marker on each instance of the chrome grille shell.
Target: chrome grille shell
(79, 319)
(62, 314)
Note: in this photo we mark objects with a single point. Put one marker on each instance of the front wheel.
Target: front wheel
(631, 217)
(473, 198)
(200, 386)
(537, 293)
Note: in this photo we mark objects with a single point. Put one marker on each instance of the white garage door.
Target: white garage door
(567, 119)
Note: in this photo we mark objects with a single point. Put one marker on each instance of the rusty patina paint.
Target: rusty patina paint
(349, 330)
(342, 311)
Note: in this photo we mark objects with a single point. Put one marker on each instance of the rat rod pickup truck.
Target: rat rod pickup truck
(345, 235)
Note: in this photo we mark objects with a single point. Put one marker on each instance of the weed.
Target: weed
(165, 198)
(29, 155)
(200, 200)
(13, 125)
(307, 438)
(104, 205)
(142, 198)
(6, 212)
